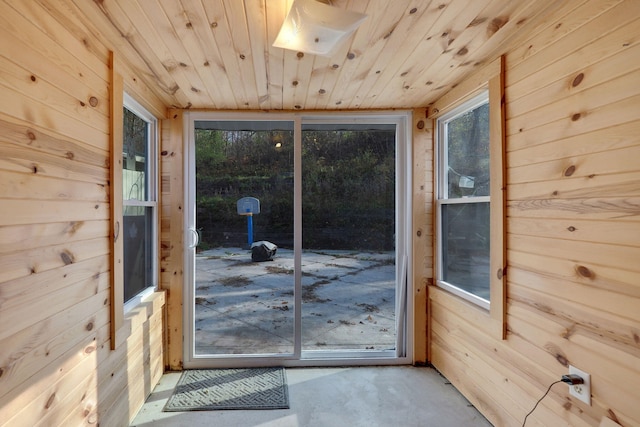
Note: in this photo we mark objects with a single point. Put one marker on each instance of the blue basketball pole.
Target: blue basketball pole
(248, 206)
(250, 228)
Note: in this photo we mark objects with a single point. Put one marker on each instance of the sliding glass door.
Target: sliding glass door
(297, 239)
(242, 307)
(348, 238)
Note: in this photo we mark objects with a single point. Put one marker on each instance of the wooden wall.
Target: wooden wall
(56, 365)
(573, 142)
(573, 243)
(422, 231)
(171, 232)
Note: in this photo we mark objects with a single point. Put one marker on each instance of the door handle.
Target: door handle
(196, 240)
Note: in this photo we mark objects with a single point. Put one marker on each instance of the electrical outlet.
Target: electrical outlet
(581, 391)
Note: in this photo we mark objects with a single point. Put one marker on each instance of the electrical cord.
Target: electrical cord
(540, 400)
(571, 379)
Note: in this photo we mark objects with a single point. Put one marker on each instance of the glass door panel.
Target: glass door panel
(242, 305)
(348, 244)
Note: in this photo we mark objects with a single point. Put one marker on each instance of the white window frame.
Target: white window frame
(152, 149)
(442, 198)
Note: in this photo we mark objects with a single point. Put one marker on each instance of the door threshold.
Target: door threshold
(308, 359)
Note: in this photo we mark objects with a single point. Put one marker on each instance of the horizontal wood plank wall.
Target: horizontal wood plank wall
(573, 223)
(56, 365)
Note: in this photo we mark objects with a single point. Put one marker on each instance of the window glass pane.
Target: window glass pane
(468, 154)
(241, 306)
(348, 192)
(134, 157)
(349, 224)
(465, 247)
(138, 250)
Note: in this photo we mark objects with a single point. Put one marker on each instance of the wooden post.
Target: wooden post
(422, 229)
(116, 95)
(171, 234)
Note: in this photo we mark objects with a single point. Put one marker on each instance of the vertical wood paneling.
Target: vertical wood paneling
(382, 17)
(152, 71)
(573, 224)
(237, 73)
(256, 11)
(237, 16)
(208, 64)
(219, 54)
(116, 135)
(422, 232)
(290, 78)
(457, 41)
(55, 225)
(169, 24)
(171, 232)
(498, 254)
(274, 57)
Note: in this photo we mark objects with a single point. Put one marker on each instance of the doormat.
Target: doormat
(218, 389)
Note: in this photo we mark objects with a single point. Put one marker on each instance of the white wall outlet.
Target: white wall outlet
(581, 391)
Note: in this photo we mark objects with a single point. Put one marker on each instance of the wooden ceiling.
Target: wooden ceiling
(217, 53)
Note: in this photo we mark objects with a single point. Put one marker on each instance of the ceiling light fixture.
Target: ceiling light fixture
(316, 28)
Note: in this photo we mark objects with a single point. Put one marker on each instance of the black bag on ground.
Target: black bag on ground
(263, 251)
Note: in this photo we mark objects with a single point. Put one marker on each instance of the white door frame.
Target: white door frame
(404, 288)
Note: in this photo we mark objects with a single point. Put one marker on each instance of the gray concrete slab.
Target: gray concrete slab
(348, 301)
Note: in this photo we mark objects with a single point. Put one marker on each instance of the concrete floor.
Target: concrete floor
(363, 396)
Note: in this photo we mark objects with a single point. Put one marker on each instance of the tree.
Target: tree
(348, 186)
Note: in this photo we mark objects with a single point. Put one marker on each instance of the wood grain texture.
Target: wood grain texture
(116, 230)
(171, 233)
(498, 186)
(422, 232)
(219, 54)
(55, 304)
(573, 205)
(573, 230)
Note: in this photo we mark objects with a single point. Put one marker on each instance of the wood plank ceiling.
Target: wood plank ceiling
(217, 54)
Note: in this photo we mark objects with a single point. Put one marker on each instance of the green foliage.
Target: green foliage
(210, 151)
(348, 187)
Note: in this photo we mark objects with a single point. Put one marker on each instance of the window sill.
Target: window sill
(134, 302)
(467, 296)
